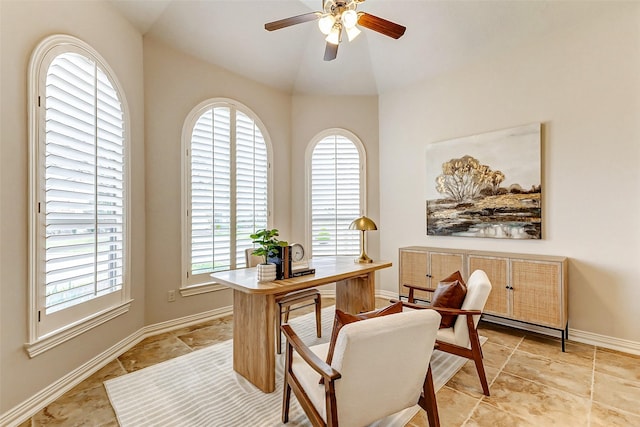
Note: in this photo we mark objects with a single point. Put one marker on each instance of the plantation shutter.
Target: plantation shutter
(211, 191)
(251, 184)
(83, 184)
(228, 163)
(335, 197)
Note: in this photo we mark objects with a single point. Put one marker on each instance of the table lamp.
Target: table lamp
(363, 224)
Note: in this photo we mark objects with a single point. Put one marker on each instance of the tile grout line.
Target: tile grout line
(121, 365)
(507, 361)
(551, 359)
(482, 398)
(554, 387)
(593, 383)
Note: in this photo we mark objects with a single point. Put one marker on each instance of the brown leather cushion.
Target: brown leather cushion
(449, 293)
(342, 318)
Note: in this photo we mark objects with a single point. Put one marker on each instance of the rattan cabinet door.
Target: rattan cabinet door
(537, 292)
(413, 271)
(497, 271)
(443, 265)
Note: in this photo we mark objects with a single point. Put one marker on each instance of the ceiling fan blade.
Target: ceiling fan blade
(330, 51)
(380, 25)
(287, 22)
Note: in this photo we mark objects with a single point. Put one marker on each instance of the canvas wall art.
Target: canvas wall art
(486, 185)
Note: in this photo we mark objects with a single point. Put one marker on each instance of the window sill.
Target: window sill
(60, 336)
(203, 288)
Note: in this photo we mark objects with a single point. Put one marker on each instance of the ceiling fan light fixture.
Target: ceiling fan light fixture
(334, 35)
(349, 19)
(326, 24)
(336, 16)
(352, 33)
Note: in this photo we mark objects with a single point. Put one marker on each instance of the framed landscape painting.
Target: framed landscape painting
(486, 185)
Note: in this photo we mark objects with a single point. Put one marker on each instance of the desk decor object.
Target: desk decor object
(299, 263)
(266, 272)
(363, 224)
(290, 262)
(486, 185)
(269, 248)
(304, 272)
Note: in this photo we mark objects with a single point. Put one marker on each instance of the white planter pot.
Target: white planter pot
(266, 272)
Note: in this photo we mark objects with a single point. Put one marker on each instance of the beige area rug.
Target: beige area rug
(202, 389)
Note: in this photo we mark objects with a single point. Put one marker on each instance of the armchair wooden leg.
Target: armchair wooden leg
(428, 400)
(476, 352)
(286, 398)
(278, 331)
(477, 359)
(318, 320)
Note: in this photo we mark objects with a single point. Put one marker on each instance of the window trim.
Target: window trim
(308, 164)
(187, 286)
(41, 342)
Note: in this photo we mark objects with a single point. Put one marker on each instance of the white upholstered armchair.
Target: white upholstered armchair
(462, 338)
(361, 385)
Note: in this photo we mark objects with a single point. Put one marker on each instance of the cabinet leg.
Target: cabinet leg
(565, 335)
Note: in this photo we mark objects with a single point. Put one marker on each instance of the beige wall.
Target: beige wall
(23, 25)
(175, 83)
(310, 116)
(584, 85)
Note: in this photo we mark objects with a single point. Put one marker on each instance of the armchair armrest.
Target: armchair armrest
(318, 365)
(420, 288)
(442, 310)
(456, 311)
(413, 288)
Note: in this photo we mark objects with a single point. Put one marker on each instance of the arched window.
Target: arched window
(336, 189)
(79, 187)
(226, 199)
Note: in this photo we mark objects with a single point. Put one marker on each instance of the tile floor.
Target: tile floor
(532, 382)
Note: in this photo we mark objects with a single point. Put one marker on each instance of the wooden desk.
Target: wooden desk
(254, 308)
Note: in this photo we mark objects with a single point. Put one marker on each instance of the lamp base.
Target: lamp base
(363, 259)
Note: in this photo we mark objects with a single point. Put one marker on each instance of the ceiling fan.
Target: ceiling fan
(338, 17)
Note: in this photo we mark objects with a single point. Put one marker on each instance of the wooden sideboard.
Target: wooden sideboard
(525, 288)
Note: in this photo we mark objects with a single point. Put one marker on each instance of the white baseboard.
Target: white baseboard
(575, 335)
(53, 391)
(604, 341)
(386, 294)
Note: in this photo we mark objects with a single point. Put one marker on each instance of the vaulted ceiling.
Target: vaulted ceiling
(441, 35)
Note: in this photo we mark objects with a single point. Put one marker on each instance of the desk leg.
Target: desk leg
(253, 339)
(357, 294)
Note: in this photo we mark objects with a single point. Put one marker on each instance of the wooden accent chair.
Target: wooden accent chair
(289, 302)
(359, 388)
(462, 338)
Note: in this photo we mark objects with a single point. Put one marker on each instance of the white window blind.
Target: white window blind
(336, 198)
(228, 165)
(83, 177)
(211, 192)
(251, 184)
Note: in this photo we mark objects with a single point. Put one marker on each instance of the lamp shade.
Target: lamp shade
(349, 19)
(326, 23)
(352, 33)
(334, 35)
(363, 223)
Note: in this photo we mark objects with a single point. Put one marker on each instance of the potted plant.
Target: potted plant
(269, 246)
